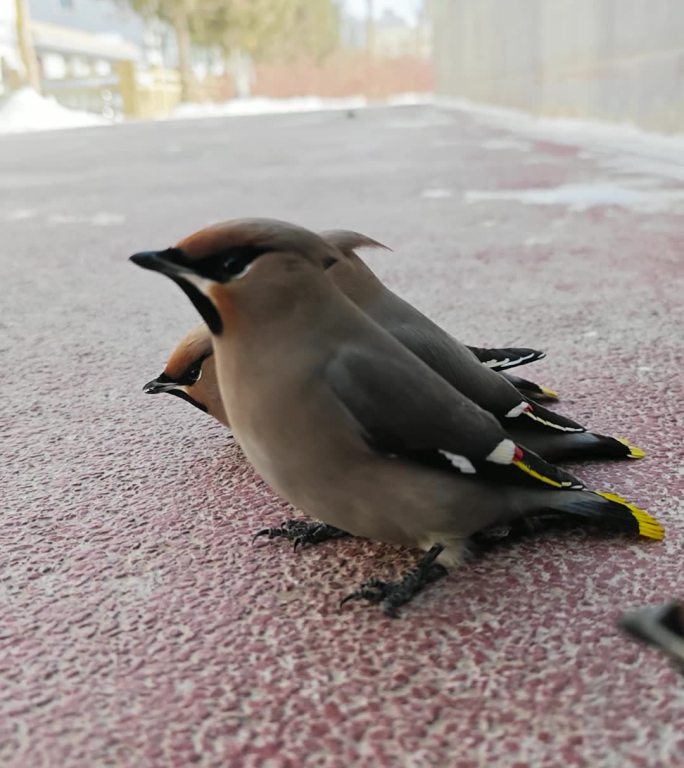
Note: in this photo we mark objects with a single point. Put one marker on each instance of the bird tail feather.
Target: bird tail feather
(607, 510)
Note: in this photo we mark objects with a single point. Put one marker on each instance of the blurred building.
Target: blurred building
(83, 48)
(393, 36)
(620, 60)
(79, 44)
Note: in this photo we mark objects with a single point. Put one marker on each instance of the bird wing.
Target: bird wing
(404, 408)
(454, 362)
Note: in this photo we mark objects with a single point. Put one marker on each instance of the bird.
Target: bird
(190, 374)
(552, 436)
(348, 425)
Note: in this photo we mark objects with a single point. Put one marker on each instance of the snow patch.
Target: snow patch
(102, 219)
(436, 193)
(410, 99)
(505, 144)
(26, 110)
(620, 147)
(262, 105)
(581, 197)
(265, 106)
(20, 214)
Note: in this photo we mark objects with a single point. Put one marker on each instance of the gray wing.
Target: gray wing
(458, 365)
(489, 389)
(403, 407)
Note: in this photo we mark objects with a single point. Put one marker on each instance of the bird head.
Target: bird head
(190, 374)
(233, 252)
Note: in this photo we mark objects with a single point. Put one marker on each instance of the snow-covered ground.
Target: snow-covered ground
(261, 105)
(625, 152)
(25, 110)
(619, 147)
(580, 197)
(638, 170)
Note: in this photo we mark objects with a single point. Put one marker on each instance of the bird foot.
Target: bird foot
(392, 594)
(302, 532)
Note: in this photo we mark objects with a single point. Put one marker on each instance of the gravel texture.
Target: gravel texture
(139, 626)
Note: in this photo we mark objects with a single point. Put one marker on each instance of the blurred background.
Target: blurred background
(619, 60)
(142, 57)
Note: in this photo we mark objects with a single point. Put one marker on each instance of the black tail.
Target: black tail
(575, 446)
(507, 357)
(554, 511)
(589, 445)
(605, 510)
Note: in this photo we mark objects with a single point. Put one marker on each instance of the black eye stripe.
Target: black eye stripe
(187, 377)
(233, 261)
(225, 264)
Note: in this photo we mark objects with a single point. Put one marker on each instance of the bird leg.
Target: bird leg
(392, 594)
(302, 532)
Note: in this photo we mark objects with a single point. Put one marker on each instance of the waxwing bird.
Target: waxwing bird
(190, 374)
(551, 435)
(348, 425)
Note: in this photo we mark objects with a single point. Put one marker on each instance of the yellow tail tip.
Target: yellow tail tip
(648, 525)
(550, 393)
(634, 452)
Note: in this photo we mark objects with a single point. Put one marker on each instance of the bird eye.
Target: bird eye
(194, 372)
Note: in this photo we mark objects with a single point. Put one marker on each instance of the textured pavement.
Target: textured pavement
(139, 626)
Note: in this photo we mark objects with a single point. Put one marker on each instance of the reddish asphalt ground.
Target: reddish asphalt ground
(140, 626)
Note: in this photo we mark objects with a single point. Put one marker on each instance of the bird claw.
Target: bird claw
(373, 590)
(301, 533)
(270, 532)
(392, 594)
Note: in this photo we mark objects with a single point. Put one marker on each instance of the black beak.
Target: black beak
(155, 386)
(173, 263)
(165, 262)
